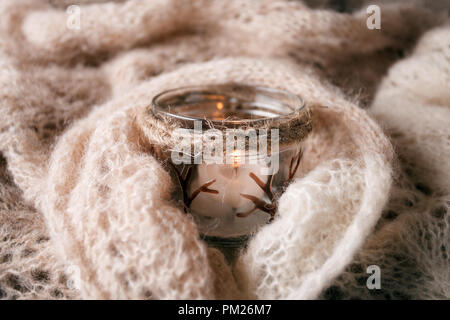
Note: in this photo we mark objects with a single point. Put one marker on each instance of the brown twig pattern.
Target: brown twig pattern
(271, 206)
(183, 178)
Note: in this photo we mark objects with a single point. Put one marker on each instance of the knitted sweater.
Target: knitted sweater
(86, 210)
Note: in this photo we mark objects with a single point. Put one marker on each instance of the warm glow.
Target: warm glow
(219, 105)
(235, 156)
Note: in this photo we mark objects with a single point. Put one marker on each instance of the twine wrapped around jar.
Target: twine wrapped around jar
(255, 134)
(160, 127)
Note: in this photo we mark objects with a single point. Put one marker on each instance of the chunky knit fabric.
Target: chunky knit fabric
(86, 210)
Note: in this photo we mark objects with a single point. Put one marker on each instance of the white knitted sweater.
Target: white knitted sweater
(86, 211)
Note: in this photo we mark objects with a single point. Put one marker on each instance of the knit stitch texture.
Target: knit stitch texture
(86, 210)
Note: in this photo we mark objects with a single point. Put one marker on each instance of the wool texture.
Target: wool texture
(86, 209)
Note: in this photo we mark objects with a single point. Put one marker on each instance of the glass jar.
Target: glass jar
(245, 147)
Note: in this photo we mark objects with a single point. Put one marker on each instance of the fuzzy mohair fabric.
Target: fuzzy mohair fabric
(86, 210)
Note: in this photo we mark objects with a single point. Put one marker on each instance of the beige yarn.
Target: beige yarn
(412, 240)
(80, 171)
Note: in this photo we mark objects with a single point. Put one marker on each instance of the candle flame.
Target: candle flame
(219, 105)
(235, 156)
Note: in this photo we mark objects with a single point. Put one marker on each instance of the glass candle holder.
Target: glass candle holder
(243, 146)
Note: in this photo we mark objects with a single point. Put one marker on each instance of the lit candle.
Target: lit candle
(230, 200)
(231, 182)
